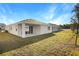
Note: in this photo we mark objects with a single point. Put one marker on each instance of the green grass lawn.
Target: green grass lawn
(59, 43)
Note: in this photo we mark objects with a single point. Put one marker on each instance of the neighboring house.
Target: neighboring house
(29, 27)
(2, 27)
(55, 28)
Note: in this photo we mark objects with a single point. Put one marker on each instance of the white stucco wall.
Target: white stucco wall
(37, 30)
(44, 29)
(23, 31)
(13, 29)
(55, 28)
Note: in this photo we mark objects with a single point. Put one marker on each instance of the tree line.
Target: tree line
(66, 26)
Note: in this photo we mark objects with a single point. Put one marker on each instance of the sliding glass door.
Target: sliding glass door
(31, 29)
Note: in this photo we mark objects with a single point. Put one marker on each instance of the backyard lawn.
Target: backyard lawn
(59, 43)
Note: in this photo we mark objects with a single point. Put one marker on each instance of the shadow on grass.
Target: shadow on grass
(13, 42)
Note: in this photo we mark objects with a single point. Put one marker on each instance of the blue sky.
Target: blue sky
(57, 13)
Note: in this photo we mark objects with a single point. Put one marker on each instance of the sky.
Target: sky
(56, 13)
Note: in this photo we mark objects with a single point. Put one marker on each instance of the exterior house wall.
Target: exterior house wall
(36, 30)
(22, 29)
(44, 29)
(55, 28)
(49, 31)
(13, 29)
(19, 29)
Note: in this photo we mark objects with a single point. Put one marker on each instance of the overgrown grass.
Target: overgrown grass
(62, 43)
(10, 42)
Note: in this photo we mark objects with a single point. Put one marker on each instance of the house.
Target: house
(2, 27)
(29, 27)
(55, 28)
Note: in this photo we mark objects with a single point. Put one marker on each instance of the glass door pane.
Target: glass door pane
(31, 29)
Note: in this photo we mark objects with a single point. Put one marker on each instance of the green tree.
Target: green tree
(75, 22)
(66, 26)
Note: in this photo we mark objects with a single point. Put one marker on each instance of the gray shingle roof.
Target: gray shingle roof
(32, 21)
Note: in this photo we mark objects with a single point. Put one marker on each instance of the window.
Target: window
(30, 30)
(25, 32)
(16, 29)
(49, 28)
(2, 26)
